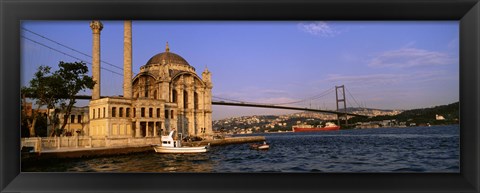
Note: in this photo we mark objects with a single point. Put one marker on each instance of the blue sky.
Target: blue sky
(386, 65)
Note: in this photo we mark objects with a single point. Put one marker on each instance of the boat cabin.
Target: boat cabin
(168, 141)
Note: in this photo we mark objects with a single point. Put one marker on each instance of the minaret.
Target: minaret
(127, 59)
(96, 26)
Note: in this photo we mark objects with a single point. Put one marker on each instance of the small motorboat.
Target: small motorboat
(169, 145)
(263, 146)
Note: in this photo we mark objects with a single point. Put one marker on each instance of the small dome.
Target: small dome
(167, 57)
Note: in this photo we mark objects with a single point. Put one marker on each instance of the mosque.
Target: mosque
(166, 94)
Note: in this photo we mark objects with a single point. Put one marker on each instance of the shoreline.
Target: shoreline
(88, 152)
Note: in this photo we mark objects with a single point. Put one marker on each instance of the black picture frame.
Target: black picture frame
(465, 11)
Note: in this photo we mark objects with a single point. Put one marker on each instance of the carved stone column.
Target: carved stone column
(207, 78)
(190, 110)
(164, 84)
(162, 126)
(179, 116)
(137, 129)
(200, 114)
(147, 129)
(108, 129)
(208, 110)
(155, 129)
(165, 91)
(180, 98)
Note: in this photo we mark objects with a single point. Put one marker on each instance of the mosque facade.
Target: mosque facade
(166, 94)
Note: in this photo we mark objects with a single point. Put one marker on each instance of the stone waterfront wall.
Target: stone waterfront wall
(72, 142)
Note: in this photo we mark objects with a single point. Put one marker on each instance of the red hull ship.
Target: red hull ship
(328, 127)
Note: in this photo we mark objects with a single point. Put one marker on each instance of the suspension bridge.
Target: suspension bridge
(340, 112)
(54, 47)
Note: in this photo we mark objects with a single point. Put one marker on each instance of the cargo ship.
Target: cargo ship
(329, 126)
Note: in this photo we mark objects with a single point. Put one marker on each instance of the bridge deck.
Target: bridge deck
(283, 107)
(259, 106)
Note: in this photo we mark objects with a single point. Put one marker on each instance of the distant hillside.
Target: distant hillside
(422, 116)
(449, 112)
(372, 112)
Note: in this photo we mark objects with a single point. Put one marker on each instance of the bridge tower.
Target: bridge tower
(341, 100)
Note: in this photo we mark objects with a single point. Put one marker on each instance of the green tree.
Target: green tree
(44, 89)
(74, 79)
(25, 121)
(41, 125)
(50, 89)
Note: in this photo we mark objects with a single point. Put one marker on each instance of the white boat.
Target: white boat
(169, 145)
(263, 146)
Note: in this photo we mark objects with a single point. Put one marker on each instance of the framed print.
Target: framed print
(309, 96)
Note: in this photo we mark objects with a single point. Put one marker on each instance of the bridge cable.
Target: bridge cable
(226, 99)
(353, 98)
(115, 66)
(322, 94)
(239, 101)
(318, 96)
(68, 54)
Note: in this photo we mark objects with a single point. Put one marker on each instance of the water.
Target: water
(418, 149)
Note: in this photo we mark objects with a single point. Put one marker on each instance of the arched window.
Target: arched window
(195, 100)
(185, 99)
(114, 109)
(155, 94)
(147, 84)
(174, 96)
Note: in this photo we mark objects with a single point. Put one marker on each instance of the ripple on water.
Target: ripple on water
(421, 149)
(298, 169)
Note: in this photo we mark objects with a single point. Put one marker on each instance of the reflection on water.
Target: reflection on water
(419, 149)
(146, 162)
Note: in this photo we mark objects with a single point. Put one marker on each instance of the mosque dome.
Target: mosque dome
(167, 57)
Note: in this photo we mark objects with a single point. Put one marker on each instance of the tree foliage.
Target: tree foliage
(75, 79)
(46, 89)
(56, 90)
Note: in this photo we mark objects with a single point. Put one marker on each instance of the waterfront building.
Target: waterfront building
(166, 94)
(77, 122)
(28, 109)
(439, 117)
